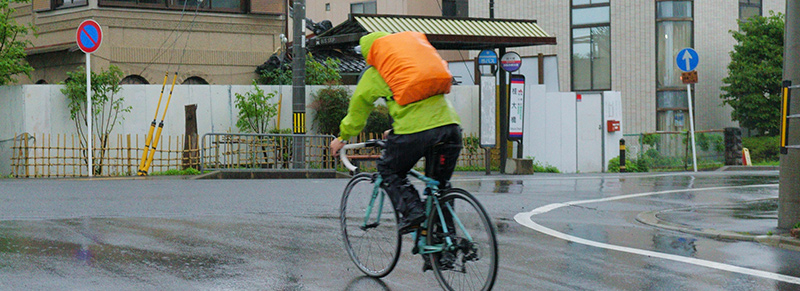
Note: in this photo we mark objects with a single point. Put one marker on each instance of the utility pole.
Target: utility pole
(789, 188)
(503, 107)
(299, 82)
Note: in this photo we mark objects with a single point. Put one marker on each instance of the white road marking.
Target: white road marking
(524, 218)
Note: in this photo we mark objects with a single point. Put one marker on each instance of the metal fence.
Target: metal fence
(264, 151)
(671, 150)
(276, 151)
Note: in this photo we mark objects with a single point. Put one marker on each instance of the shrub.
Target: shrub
(378, 120)
(763, 148)
(330, 103)
(539, 167)
(255, 110)
(631, 165)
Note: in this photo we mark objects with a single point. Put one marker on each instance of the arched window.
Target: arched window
(194, 80)
(133, 80)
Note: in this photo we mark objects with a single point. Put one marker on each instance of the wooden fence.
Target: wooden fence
(62, 155)
(46, 155)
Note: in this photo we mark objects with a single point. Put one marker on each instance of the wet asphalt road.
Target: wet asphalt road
(174, 234)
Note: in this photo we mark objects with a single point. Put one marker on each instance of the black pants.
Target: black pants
(440, 146)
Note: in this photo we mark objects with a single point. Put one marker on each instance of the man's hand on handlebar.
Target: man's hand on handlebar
(336, 145)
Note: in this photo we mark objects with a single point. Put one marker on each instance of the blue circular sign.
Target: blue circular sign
(687, 59)
(487, 57)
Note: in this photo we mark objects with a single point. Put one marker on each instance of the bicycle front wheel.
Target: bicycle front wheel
(472, 260)
(369, 226)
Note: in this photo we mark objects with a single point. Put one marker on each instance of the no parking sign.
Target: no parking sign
(89, 36)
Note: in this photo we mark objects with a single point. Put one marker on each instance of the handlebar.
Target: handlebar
(367, 144)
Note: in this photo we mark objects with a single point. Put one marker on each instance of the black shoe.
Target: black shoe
(411, 222)
(447, 261)
(426, 264)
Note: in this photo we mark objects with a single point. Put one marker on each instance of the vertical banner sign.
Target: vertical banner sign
(488, 114)
(516, 106)
(88, 36)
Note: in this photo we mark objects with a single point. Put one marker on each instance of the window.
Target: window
(195, 80)
(68, 3)
(591, 45)
(749, 8)
(364, 7)
(455, 8)
(327, 6)
(189, 5)
(48, 5)
(133, 80)
(674, 31)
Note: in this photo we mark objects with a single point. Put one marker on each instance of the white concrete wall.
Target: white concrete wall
(42, 109)
(549, 132)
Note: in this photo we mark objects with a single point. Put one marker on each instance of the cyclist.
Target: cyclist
(416, 128)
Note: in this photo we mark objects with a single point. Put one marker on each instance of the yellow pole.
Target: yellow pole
(152, 127)
(278, 122)
(143, 171)
(784, 112)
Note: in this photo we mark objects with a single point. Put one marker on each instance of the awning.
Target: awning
(444, 33)
(67, 46)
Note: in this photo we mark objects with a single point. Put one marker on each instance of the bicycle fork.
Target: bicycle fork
(376, 194)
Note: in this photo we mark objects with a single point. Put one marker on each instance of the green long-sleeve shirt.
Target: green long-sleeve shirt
(414, 117)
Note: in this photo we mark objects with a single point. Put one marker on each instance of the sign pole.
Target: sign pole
(691, 126)
(687, 60)
(89, 112)
(89, 36)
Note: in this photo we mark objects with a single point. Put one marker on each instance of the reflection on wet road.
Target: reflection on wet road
(525, 219)
(284, 234)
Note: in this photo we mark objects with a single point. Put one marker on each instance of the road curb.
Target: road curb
(784, 241)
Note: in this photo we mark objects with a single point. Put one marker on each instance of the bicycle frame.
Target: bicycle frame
(431, 204)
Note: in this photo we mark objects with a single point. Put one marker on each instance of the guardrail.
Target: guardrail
(264, 151)
(785, 116)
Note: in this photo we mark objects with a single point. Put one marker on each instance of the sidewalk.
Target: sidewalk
(748, 224)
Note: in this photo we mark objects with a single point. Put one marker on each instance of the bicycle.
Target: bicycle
(457, 238)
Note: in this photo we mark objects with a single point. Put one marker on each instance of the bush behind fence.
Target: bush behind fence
(672, 150)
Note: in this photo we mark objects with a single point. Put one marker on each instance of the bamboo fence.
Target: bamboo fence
(62, 155)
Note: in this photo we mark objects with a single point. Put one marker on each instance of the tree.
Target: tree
(12, 44)
(326, 73)
(753, 85)
(106, 107)
(255, 110)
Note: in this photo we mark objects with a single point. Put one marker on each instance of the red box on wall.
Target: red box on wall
(612, 125)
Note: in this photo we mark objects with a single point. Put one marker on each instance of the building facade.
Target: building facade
(206, 42)
(619, 45)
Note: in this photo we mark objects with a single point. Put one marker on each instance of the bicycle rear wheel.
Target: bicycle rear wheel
(371, 239)
(474, 264)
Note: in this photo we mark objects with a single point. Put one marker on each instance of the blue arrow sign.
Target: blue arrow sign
(687, 59)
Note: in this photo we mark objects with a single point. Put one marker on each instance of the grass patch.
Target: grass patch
(176, 172)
